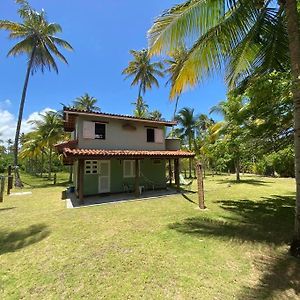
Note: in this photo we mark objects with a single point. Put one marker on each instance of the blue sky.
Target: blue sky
(102, 32)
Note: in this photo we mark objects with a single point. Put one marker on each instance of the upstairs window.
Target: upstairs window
(99, 131)
(155, 135)
(92, 130)
(150, 135)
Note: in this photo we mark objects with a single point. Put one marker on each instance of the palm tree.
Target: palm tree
(144, 71)
(174, 64)
(86, 102)
(187, 122)
(50, 127)
(247, 37)
(39, 43)
(231, 128)
(155, 115)
(141, 108)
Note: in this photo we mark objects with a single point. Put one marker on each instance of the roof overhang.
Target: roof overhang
(71, 114)
(96, 154)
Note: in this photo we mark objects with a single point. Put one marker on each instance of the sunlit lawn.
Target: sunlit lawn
(156, 249)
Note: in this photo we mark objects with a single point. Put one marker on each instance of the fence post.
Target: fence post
(2, 185)
(54, 179)
(200, 186)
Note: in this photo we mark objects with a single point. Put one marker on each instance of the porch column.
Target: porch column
(80, 180)
(137, 178)
(170, 172)
(176, 171)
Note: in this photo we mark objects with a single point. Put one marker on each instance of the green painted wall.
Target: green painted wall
(153, 173)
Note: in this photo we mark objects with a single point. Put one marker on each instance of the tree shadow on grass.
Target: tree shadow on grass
(267, 221)
(6, 208)
(245, 181)
(280, 279)
(10, 242)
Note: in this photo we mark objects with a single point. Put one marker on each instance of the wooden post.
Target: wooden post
(2, 186)
(170, 172)
(10, 180)
(80, 180)
(200, 186)
(176, 171)
(137, 178)
(54, 179)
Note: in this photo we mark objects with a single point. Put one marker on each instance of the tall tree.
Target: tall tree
(39, 43)
(187, 125)
(232, 128)
(143, 71)
(50, 127)
(141, 108)
(155, 115)
(174, 65)
(86, 102)
(247, 37)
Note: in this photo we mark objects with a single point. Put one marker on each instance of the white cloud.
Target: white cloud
(5, 104)
(8, 123)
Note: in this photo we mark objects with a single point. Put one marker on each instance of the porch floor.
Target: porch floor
(73, 202)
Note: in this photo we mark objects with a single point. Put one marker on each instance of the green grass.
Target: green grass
(157, 249)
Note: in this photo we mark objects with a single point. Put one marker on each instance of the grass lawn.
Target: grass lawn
(156, 249)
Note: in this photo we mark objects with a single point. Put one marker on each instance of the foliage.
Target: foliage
(144, 73)
(237, 36)
(86, 102)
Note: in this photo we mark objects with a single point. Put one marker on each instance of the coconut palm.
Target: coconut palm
(174, 65)
(187, 122)
(50, 127)
(143, 71)
(155, 115)
(247, 38)
(141, 108)
(38, 41)
(86, 102)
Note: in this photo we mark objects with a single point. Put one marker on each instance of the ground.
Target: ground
(156, 249)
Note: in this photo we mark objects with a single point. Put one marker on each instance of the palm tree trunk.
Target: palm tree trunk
(238, 169)
(176, 106)
(50, 163)
(42, 163)
(18, 182)
(190, 159)
(294, 45)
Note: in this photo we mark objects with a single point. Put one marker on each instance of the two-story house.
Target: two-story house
(113, 153)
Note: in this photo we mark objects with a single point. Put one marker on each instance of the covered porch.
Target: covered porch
(101, 173)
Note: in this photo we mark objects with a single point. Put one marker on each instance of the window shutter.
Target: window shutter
(159, 136)
(88, 130)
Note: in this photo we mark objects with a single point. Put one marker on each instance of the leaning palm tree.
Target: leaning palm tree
(86, 102)
(143, 71)
(187, 125)
(39, 43)
(247, 38)
(174, 63)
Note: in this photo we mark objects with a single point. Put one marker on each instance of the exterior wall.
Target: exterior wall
(172, 144)
(118, 138)
(152, 172)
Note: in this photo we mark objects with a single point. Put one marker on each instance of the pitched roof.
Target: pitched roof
(101, 153)
(76, 112)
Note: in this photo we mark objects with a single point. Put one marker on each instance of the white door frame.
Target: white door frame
(100, 176)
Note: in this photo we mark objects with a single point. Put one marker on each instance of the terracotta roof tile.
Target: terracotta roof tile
(98, 153)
